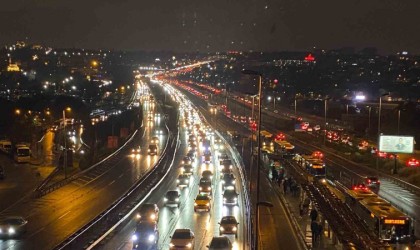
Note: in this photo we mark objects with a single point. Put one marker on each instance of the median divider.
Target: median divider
(112, 214)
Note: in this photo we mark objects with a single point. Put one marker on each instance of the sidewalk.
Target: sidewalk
(292, 204)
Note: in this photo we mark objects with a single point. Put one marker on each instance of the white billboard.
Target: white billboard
(396, 144)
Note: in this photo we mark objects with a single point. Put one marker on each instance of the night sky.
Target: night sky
(218, 25)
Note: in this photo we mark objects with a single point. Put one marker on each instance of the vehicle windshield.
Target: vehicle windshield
(23, 152)
(172, 194)
(229, 220)
(181, 235)
(11, 221)
(219, 242)
(147, 209)
(202, 198)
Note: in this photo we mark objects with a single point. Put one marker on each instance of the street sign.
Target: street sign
(396, 144)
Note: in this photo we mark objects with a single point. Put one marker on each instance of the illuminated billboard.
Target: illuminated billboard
(396, 144)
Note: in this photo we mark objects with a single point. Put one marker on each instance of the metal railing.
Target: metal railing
(115, 206)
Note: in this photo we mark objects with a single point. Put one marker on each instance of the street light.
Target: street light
(255, 73)
(379, 113)
(65, 141)
(325, 118)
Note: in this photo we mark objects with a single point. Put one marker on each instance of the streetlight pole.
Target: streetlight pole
(65, 144)
(398, 126)
(250, 72)
(325, 119)
(370, 109)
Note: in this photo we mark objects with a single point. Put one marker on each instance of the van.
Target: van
(6, 146)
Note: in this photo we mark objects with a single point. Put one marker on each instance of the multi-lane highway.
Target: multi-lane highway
(204, 224)
(53, 217)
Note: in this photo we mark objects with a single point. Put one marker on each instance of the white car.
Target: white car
(182, 239)
(12, 226)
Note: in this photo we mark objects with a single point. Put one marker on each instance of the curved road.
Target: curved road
(57, 215)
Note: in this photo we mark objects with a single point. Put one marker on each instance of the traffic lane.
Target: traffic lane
(121, 240)
(205, 224)
(55, 216)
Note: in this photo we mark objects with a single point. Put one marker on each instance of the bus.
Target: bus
(387, 222)
(22, 154)
(313, 166)
(285, 148)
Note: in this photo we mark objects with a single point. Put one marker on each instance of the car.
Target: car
(136, 152)
(276, 111)
(159, 132)
(413, 162)
(192, 154)
(317, 128)
(187, 169)
(202, 202)
(12, 226)
(227, 163)
(152, 150)
(230, 197)
(172, 198)
(186, 160)
(207, 174)
(146, 234)
(228, 225)
(207, 159)
(154, 140)
(182, 239)
(228, 180)
(372, 182)
(220, 243)
(222, 157)
(148, 212)
(205, 186)
(183, 180)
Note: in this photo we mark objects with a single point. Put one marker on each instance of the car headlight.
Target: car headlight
(148, 150)
(234, 229)
(223, 182)
(11, 230)
(171, 245)
(151, 237)
(177, 181)
(187, 181)
(195, 203)
(209, 188)
(189, 245)
(207, 204)
(176, 199)
(222, 228)
(235, 199)
(134, 237)
(230, 167)
(182, 169)
(224, 199)
(153, 216)
(200, 188)
(165, 199)
(233, 182)
(138, 216)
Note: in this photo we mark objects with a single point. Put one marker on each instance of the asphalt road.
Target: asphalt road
(276, 231)
(55, 216)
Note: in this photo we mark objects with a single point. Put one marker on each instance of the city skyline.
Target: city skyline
(215, 26)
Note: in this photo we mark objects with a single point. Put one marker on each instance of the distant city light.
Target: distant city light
(360, 98)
